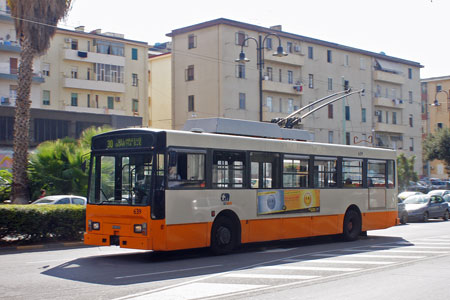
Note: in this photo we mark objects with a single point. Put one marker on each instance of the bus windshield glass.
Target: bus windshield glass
(121, 179)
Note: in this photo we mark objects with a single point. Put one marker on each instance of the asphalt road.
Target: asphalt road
(404, 262)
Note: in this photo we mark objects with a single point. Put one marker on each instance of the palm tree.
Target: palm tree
(35, 23)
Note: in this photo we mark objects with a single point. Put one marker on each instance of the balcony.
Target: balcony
(388, 102)
(388, 77)
(392, 128)
(280, 87)
(84, 84)
(9, 76)
(10, 46)
(290, 59)
(93, 57)
(92, 110)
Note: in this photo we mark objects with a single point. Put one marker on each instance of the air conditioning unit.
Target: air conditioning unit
(297, 48)
(67, 40)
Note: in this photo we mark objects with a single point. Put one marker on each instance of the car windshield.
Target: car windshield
(417, 199)
(436, 192)
(122, 179)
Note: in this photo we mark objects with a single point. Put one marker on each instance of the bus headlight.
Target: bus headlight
(95, 226)
(140, 228)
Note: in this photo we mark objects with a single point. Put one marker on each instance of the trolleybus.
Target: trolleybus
(167, 190)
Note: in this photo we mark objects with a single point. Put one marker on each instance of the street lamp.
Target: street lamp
(260, 61)
(436, 102)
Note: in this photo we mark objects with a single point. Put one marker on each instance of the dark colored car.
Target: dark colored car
(424, 207)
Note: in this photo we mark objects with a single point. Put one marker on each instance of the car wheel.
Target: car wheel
(446, 216)
(425, 217)
(404, 219)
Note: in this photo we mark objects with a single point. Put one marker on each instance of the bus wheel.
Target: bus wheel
(223, 236)
(352, 225)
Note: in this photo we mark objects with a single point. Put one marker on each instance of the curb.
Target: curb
(44, 246)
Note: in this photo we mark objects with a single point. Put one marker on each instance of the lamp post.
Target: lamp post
(260, 42)
(436, 102)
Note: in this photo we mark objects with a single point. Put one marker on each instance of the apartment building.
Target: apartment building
(208, 82)
(85, 79)
(435, 116)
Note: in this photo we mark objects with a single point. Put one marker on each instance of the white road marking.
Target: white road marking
(424, 243)
(350, 262)
(413, 247)
(46, 261)
(197, 290)
(310, 268)
(393, 250)
(166, 272)
(276, 250)
(270, 276)
(369, 256)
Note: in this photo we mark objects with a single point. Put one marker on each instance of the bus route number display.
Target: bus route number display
(129, 142)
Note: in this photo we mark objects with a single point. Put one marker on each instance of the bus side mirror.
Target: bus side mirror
(172, 158)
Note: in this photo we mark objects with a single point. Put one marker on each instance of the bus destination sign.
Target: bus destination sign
(129, 142)
(123, 141)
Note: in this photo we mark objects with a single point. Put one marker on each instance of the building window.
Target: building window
(12, 92)
(329, 58)
(109, 73)
(410, 96)
(110, 102)
(347, 138)
(394, 117)
(289, 47)
(241, 100)
(269, 104)
(74, 99)
(134, 79)
(330, 137)
(46, 69)
(135, 106)
(191, 106)
(362, 63)
(311, 81)
(269, 43)
(240, 37)
(387, 117)
(111, 48)
(290, 77)
(240, 71)
(411, 124)
(347, 113)
(192, 41)
(438, 88)
(46, 97)
(346, 60)
(379, 115)
(280, 75)
(134, 54)
(330, 84)
(363, 115)
(330, 111)
(310, 52)
(409, 73)
(74, 72)
(190, 73)
(88, 101)
(411, 141)
(74, 44)
(269, 73)
(439, 126)
(290, 106)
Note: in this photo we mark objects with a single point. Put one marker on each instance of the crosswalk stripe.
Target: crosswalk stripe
(270, 276)
(393, 250)
(196, 291)
(335, 261)
(311, 268)
(413, 247)
(370, 256)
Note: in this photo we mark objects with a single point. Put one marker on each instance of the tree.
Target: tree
(56, 166)
(437, 146)
(35, 23)
(405, 170)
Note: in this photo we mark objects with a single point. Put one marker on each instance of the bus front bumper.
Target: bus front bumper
(143, 243)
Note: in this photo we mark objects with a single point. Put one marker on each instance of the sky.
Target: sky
(415, 30)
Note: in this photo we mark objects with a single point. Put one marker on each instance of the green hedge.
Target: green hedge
(35, 223)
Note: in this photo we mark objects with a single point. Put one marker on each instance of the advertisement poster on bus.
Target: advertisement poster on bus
(283, 201)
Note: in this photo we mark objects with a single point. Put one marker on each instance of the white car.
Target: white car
(61, 199)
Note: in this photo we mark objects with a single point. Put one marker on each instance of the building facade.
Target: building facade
(435, 116)
(160, 91)
(208, 82)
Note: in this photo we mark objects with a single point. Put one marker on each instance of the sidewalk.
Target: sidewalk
(50, 245)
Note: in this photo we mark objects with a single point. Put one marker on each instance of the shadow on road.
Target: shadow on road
(134, 268)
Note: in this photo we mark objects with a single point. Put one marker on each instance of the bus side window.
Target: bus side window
(188, 170)
(264, 167)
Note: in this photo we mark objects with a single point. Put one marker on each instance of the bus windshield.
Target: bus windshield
(121, 179)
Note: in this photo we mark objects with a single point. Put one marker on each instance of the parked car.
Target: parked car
(61, 199)
(423, 207)
(403, 195)
(402, 212)
(438, 184)
(419, 186)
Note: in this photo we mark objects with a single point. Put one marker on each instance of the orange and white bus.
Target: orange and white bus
(166, 190)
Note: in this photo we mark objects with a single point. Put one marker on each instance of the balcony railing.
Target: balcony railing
(388, 77)
(388, 102)
(90, 84)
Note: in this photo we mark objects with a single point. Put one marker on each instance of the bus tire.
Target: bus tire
(352, 225)
(224, 236)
